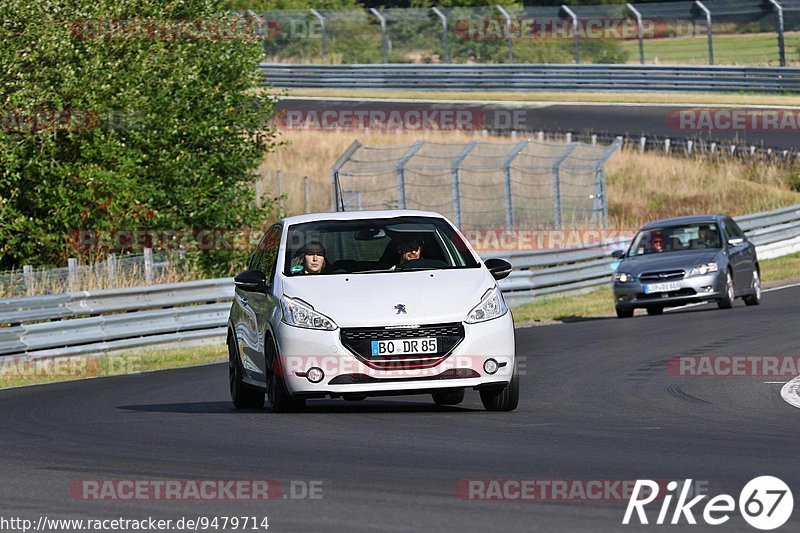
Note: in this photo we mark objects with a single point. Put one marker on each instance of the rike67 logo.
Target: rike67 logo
(765, 503)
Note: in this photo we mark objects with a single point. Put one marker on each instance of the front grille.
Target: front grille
(657, 295)
(665, 275)
(362, 379)
(358, 340)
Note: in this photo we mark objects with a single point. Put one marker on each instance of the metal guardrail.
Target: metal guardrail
(196, 312)
(535, 77)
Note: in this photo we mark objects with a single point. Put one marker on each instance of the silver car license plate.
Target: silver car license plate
(662, 287)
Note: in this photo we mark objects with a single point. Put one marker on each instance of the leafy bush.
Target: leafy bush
(156, 133)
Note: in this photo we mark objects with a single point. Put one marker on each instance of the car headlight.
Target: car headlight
(702, 270)
(622, 277)
(302, 315)
(491, 306)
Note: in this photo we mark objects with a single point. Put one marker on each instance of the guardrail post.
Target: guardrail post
(445, 47)
(640, 30)
(401, 173)
(148, 265)
(642, 143)
(574, 31)
(666, 146)
(336, 198)
(507, 178)
(384, 41)
(456, 186)
(111, 269)
(502, 10)
(72, 273)
(27, 277)
(708, 31)
(324, 33)
(781, 49)
(555, 170)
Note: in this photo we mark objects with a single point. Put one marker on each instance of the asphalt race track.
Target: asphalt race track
(632, 120)
(597, 404)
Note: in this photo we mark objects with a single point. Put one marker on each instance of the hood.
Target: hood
(362, 300)
(685, 260)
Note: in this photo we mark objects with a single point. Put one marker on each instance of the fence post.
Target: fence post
(505, 14)
(507, 177)
(781, 49)
(642, 143)
(445, 47)
(72, 273)
(599, 201)
(148, 265)
(308, 197)
(401, 173)
(555, 170)
(574, 18)
(27, 277)
(259, 190)
(335, 198)
(708, 30)
(456, 186)
(280, 193)
(324, 33)
(384, 43)
(640, 30)
(111, 268)
(666, 146)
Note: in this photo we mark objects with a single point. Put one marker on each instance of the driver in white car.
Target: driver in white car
(409, 250)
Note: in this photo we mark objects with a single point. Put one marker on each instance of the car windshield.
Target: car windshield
(676, 238)
(375, 245)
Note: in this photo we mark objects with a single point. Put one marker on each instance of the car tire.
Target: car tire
(505, 399)
(243, 396)
(755, 298)
(278, 395)
(453, 397)
(727, 300)
(655, 311)
(624, 312)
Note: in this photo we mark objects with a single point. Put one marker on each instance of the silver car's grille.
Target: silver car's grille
(664, 275)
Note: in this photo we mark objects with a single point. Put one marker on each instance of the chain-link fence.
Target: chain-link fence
(744, 32)
(523, 184)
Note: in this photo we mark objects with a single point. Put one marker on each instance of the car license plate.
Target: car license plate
(404, 346)
(662, 287)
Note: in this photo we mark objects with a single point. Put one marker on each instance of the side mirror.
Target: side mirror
(251, 281)
(618, 254)
(499, 268)
(736, 241)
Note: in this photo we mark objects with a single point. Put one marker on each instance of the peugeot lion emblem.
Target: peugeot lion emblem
(401, 309)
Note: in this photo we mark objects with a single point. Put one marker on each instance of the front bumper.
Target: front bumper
(344, 373)
(691, 290)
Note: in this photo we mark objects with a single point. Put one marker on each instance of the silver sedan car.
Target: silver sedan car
(676, 261)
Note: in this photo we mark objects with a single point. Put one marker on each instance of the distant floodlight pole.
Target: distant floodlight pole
(640, 30)
(781, 49)
(708, 30)
(384, 42)
(502, 10)
(574, 18)
(324, 33)
(445, 47)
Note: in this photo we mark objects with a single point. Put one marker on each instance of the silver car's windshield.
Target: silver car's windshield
(374, 245)
(676, 238)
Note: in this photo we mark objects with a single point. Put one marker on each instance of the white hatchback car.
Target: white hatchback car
(370, 303)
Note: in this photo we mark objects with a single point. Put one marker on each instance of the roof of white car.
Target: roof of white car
(356, 215)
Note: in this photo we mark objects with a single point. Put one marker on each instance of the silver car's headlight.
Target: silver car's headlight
(300, 314)
(702, 270)
(622, 277)
(491, 306)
